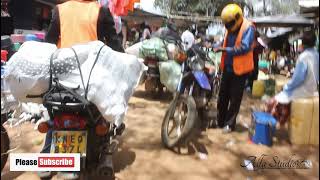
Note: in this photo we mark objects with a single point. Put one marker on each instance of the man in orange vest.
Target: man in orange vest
(82, 21)
(236, 64)
(74, 22)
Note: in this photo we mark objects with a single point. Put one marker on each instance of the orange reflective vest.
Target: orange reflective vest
(242, 64)
(78, 22)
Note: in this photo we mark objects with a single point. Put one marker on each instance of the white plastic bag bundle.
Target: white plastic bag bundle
(27, 71)
(112, 82)
(170, 73)
(113, 78)
(134, 49)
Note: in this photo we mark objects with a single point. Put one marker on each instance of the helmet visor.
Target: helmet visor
(229, 25)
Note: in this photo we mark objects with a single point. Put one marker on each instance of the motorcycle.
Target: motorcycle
(193, 98)
(152, 76)
(8, 104)
(152, 81)
(77, 126)
(5, 141)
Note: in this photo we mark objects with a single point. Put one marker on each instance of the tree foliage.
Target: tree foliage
(214, 7)
(203, 7)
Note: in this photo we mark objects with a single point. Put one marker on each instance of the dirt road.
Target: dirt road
(211, 156)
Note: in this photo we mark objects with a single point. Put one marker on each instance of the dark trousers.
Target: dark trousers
(252, 77)
(47, 143)
(230, 96)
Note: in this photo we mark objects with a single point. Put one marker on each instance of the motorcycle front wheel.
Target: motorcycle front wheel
(179, 121)
(5, 143)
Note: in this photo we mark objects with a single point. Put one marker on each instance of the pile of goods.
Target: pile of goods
(269, 86)
(154, 48)
(110, 78)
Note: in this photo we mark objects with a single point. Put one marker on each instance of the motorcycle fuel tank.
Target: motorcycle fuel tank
(202, 79)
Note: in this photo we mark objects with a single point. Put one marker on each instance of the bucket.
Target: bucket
(40, 35)
(17, 38)
(262, 129)
(16, 47)
(4, 56)
(31, 37)
(6, 44)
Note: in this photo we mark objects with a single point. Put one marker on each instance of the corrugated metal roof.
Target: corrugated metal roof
(309, 3)
(282, 21)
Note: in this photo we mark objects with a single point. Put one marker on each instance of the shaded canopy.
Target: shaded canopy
(282, 21)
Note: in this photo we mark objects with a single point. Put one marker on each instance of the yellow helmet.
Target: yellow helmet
(232, 17)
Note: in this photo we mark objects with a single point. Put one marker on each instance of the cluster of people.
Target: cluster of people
(82, 21)
(281, 63)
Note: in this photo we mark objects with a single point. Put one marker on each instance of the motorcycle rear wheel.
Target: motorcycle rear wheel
(189, 122)
(154, 86)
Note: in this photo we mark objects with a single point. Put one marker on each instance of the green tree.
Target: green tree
(214, 7)
(203, 7)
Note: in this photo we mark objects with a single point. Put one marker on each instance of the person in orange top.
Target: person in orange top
(81, 21)
(236, 64)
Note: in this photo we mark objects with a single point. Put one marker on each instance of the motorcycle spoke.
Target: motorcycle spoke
(179, 131)
(171, 130)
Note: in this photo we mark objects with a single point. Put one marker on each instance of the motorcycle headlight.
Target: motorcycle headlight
(197, 64)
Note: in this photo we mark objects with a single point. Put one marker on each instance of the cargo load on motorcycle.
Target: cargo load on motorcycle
(109, 78)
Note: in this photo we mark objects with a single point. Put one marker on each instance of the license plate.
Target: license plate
(69, 142)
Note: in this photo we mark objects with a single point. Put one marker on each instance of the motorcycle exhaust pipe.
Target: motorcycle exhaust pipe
(105, 168)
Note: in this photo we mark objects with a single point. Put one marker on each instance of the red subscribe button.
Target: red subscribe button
(56, 162)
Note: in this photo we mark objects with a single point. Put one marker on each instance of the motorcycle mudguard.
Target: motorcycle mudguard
(202, 79)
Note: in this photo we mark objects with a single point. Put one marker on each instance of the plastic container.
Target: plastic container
(4, 56)
(258, 88)
(270, 87)
(40, 35)
(16, 47)
(6, 44)
(301, 120)
(314, 133)
(280, 82)
(17, 38)
(263, 64)
(31, 37)
(263, 127)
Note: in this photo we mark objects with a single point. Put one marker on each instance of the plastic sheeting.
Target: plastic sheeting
(170, 73)
(112, 82)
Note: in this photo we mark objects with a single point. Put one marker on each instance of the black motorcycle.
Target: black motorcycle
(78, 127)
(152, 76)
(191, 102)
(5, 141)
(6, 111)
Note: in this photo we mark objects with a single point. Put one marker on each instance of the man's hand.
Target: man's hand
(219, 49)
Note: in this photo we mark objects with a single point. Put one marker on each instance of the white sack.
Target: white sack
(27, 71)
(170, 73)
(112, 81)
(134, 49)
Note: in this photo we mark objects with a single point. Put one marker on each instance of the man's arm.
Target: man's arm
(246, 44)
(106, 30)
(298, 77)
(53, 33)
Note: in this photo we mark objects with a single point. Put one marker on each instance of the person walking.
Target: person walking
(236, 64)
